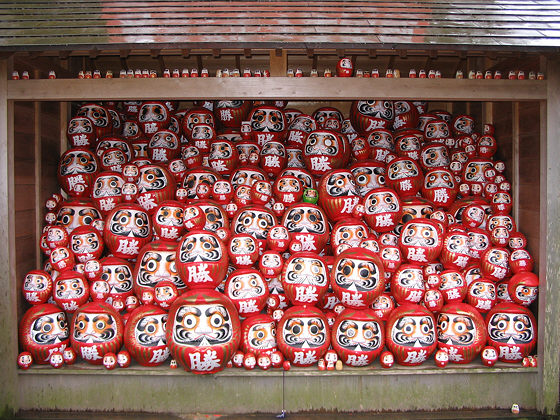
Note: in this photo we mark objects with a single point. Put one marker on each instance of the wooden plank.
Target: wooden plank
(278, 62)
(549, 310)
(8, 293)
(277, 88)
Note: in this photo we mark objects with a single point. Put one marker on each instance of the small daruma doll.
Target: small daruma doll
(201, 259)
(86, 243)
(411, 334)
(37, 287)
(70, 290)
(325, 150)
(338, 194)
(243, 250)
(308, 224)
(168, 220)
(203, 331)
(357, 277)
(144, 335)
(96, 329)
(155, 264)
(258, 335)
(76, 172)
(127, 229)
(523, 288)
(42, 331)
(421, 240)
(305, 278)
(303, 335)
(383, 209)
(155, 185)
(358, 336)
(512, 330)
(462, 331)
(248, 291)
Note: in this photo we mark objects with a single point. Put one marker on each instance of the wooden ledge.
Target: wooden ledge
(291, 88)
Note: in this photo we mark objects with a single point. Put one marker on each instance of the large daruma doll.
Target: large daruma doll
(512, 330)
(358, 336)
(462, 331)
(305, 278)
(303, 335)
(144, 335)
(203, 331)
(97, 329)
(357, 277)
(338, 194)
(411, 334)
(201, 259)
(42, 331)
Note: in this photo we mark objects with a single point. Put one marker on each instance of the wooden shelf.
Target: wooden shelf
(307, 88)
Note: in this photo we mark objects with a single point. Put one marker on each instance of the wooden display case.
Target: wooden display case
(33, 116)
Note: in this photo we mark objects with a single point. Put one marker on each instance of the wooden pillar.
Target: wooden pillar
(8, 293)
(278, 62)
(549, 308)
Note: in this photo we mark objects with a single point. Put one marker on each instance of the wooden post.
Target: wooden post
(549, 309)
(278, 62)
(8, 293)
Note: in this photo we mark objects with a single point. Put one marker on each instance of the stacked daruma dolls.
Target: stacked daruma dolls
(248, 234)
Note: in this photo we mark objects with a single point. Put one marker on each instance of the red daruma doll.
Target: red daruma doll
(512, 330)
(411, 334)
(42, 331)
(303, 335)
(338, 194)
(305, 278)
(462, 331)
(201, 259)
(203, 331)
(97, 329)
(421, 240)
(358, 336)
(357, 277)
(383, 209)
(144, 335)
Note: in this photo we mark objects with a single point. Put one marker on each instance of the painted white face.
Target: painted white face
(246, 286)
(511, 328)
(306, 220)
(459, 330)
(356, 335)
(341, 184)
(458, 243)
(451, 280)
(262, 336)
(118, 276)
(303, 270)
(200, 247)
(150, 330)
(379, 109)
(50, 329)
(356, 275)
(253, 222)
(414, 331)
(94, 327)
(69, 288)
(268, 120)
(35, 283)
(202, 325)
(321, 143)
(402, 169)
(420, 234)
(483, 290)
(411, 278)
(78, 162)
(305, 332)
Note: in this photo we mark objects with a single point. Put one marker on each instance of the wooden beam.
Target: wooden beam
(247, 53)
(278, 63)
(8, 296)
(278, 88)
(216, 53)
(186, 53)
(310, 53)
(124, 53)
(549, 296)
(372, 53)
(155, 53)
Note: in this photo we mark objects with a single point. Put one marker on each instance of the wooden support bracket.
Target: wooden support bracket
(278, 62)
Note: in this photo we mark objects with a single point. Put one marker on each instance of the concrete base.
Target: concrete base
(235, 391)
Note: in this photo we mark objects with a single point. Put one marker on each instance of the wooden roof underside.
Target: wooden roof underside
(297, 24)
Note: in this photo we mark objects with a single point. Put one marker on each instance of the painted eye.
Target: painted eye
(425, 328)
(46, 328)
(151, 265)
(190, 321)
(261, 334)
(216, 320)
(296, 329)
(459, 327)
(519, 326)
(351, 332)
(314, 329)
(443, 325)
(100, 325)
